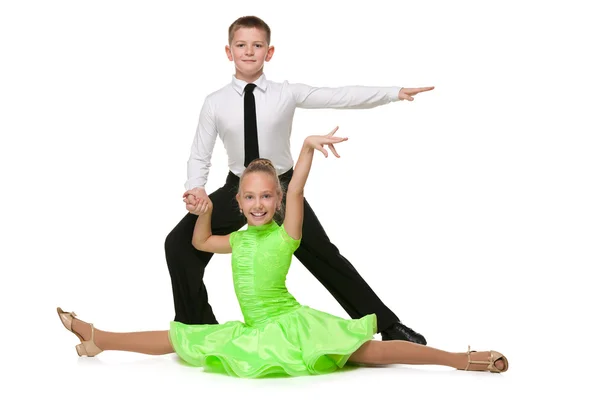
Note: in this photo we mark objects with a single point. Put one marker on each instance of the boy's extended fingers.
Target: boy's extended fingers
(333, 131)
(413, 91)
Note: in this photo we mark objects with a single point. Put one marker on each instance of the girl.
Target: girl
(279, 336)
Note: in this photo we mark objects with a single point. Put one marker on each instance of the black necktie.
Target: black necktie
(250, 129)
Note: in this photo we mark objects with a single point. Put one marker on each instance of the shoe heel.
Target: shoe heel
(89, 347)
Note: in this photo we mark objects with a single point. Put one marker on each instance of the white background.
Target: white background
(472, 211)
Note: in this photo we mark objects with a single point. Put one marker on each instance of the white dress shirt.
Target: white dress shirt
(222, 115)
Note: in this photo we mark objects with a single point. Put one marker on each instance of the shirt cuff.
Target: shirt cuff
(393, 93)
(193, 185)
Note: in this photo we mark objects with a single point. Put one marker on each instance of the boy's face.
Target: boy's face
(249, 51)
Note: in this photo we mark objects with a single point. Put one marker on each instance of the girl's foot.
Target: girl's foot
(83, 330)
(491, 361)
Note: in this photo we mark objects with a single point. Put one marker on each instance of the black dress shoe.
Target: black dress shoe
(399, 331)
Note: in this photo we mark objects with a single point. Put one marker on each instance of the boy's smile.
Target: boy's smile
(249, 50)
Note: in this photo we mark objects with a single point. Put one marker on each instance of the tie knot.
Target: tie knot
(249, 87)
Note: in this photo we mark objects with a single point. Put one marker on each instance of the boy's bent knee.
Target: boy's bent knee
(176, 242)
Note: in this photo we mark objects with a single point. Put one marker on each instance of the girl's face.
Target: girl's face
(258, 198)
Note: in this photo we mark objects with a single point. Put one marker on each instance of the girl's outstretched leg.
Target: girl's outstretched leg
(402, 352)
(151, 342)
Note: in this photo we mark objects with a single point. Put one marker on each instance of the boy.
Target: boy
(253, 117)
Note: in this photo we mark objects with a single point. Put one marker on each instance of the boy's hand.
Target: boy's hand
(318, 141)
(193, 196)
(408, 93)
(203, 206)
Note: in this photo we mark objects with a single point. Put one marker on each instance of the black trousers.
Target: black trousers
(316, 253)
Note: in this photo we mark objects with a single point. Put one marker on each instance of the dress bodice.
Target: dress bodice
(261, 258)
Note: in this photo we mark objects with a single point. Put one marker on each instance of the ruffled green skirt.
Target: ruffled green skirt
(302, 342)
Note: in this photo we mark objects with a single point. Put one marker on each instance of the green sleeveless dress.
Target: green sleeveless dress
(279, 336)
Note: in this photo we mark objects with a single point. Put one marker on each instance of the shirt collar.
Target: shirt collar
(239, 84)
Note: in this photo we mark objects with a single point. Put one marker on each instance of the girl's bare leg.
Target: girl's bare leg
(151, 342)
(377, 352)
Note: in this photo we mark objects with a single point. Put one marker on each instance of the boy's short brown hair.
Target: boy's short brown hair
(249, 22)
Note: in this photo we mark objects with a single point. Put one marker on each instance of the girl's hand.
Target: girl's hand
(318, 141)
(193, 197)
(203, 206)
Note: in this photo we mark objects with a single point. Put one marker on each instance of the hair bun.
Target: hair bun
(261, 161)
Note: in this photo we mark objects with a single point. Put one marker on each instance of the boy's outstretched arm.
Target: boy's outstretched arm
(203, 239)
(294, 213)
(351, 97)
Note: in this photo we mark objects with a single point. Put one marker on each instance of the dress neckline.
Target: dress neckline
(264, 227)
